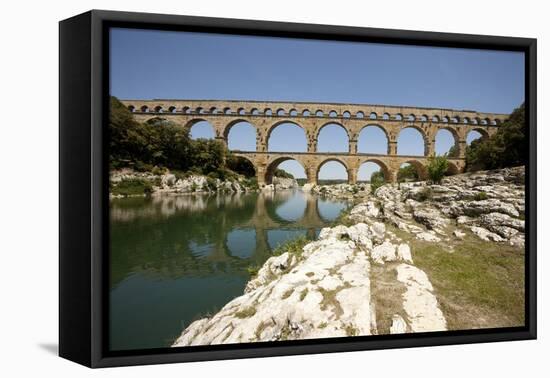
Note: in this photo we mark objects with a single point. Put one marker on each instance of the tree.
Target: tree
(506, 148)
(376, 181)
(282, 173)
(240, 165)
(437, 166)
(407, 173)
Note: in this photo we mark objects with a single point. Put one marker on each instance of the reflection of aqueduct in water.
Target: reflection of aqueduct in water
(312, 117)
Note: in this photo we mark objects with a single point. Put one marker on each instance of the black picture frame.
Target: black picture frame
(83, 181)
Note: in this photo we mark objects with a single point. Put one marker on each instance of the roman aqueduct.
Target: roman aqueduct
(312, 117)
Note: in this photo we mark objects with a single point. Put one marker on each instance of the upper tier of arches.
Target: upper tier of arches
(325, 111)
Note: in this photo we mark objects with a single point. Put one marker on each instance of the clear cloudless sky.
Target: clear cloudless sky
(179, 65)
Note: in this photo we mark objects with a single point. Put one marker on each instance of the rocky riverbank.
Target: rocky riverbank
(127, 182)
(410, 258)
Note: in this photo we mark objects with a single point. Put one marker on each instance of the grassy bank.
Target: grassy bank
(479, 284)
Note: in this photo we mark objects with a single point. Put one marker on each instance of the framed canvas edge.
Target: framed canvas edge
(99, 106)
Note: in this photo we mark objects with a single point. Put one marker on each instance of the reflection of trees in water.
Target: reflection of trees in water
(176, 236)
(127, 209)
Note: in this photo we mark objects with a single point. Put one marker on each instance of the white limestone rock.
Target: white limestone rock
(398, 325)
(428, 236)
(404, 253)
(384, 252)
(485, 234)
(419, 301)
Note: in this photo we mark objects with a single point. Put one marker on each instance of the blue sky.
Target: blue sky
(159, 64)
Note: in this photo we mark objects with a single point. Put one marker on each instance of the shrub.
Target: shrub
(293, 246)
(480, 196)
(437, 166)
(376, 181)
(424, 195)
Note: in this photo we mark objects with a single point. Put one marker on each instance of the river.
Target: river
(175, 259)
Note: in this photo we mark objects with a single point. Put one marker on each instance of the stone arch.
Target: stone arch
(454, 134)
(268, 112)
(383, 168)
(377, 127)
(333, 159)
(186, 110)
(281, 112)
(337, 124)
(452, 170)
(373, 115)
(423, 135)
(227, 111)
(158, 109)
(333, 114)
(131, 108)
(483, 132)
(274, 163)
(229, 126)
(306, 113)
(293, 113)
(346, 114)
(398, 117)
(144, 109)
(465, 120)
(319, 113)
(189, 125)
(172, 109)
(421, 169)
(269, 131)
(360, 115)
(244, 167)
(386, 116)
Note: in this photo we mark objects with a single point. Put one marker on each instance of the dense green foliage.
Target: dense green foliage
(376, 181)
(437, 167)
(407, 173)
(240, 165)
(160, 143)
(132, 187)
(506, 148)
(282, 173)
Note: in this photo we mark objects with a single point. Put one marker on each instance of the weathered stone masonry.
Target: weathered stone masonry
(312, 117)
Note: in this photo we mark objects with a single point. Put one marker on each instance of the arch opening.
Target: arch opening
(285, 167)
(201, 129)
(411, 171)
(241, 165)
(446, 142)
(373, 140)
(411, 142)
(333, 137)
(241, 136)
(286, 137)
(476, 134)
(372, 167)
(332, 171)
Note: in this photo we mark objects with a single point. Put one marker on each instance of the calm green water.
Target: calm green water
(175, 259)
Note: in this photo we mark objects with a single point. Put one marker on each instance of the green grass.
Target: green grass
(245, 313)
(131, 187)
(294, 246)
(479, 284)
